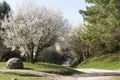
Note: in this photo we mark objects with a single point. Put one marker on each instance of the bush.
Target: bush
(50, 56)
(6, 54)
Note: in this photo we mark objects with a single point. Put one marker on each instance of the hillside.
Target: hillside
(111, 61)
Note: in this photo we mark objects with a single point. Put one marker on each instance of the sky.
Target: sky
(69, 8)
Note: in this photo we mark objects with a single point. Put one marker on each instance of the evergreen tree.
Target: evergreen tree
(4, 9)
(103, 24)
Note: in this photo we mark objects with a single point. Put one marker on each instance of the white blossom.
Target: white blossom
(30, 28)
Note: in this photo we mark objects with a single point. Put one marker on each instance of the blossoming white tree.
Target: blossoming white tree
(32, 28)
(76, 43)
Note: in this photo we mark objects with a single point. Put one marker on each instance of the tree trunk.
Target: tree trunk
(85, 56)
(31, 52)
(31, 58)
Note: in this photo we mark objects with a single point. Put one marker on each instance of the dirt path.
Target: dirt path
(89, 74)
(98, 74)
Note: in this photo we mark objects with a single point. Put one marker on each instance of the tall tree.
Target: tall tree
(76, 44)
(32, 28)
(4, 9)
(103, 24)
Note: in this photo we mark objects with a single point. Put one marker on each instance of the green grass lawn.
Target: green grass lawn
(111, 61)
(50, 68)
(39, 66)
(6, 76)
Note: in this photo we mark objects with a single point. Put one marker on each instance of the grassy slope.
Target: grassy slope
(111, 61)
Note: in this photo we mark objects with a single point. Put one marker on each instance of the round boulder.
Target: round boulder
(14, 63)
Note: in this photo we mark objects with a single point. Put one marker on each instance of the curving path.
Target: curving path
(97, 74)
(89, 74)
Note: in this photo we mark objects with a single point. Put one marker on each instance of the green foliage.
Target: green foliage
(49, 56)
(4, 9)
(6, 54)
(103, 26)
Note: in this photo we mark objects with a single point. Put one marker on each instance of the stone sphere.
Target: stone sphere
(14, 63)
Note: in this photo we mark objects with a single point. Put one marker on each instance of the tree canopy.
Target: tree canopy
(103, 24)
(32, 28)
(4, 9)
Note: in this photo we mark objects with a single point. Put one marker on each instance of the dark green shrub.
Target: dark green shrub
(50, 56)
(6, 54)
